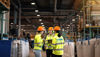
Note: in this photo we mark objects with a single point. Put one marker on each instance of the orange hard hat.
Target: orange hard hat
(57, 28)
(40, 28)
(50, 28)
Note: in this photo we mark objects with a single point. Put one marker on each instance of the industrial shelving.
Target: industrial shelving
(87, 18)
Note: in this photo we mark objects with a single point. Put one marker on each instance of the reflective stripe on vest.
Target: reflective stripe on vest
(58, 49)
(58, 43)
(38, 46)
(49, 46)
(36, 43)
(37, 49)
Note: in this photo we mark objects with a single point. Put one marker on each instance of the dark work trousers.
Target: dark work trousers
(56, 55)
(49, 53)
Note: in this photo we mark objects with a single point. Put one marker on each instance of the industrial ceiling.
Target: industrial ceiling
(52, 12)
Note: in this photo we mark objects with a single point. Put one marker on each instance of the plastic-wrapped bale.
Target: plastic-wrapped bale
(15, 48)
(86, 49)
(97, 48)
(66, 50)
(79, 48)
(69, 49)
(25, 48)
(89, 48)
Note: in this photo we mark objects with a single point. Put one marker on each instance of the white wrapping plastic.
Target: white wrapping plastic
(25, 49)
(97, 48)
(92, 46)
(69, 49)
(20, 48)
(14, 48)
(87, 49)
(79, 48)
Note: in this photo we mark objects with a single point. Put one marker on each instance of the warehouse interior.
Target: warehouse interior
(79, 21)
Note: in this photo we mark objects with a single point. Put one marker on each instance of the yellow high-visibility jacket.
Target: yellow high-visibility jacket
(38, 42)
(48, 42)
(58, 45)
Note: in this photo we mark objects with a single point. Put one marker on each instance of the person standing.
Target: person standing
(48, 42)
(38, 42)
(58, 43)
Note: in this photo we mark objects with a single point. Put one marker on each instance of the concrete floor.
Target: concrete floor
(31, 54)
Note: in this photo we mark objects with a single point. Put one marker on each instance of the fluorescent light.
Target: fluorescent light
(40, 19)
(42, 23)
(33, 3)
(36, 10)
(77, 15)
(73, 19)
(38, 15)
(68, 25)
(12, 23)
(22, 29)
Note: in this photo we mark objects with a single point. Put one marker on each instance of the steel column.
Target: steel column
(15, 16)
(1, 15)
(19, 30)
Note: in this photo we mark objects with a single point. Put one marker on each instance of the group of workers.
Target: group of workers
(54, 42)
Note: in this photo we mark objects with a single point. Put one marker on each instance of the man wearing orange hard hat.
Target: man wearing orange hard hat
(57, 43)
(38, 41)
(48, 42)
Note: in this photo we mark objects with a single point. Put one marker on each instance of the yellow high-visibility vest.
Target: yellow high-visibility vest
(48, 42)
(58, 45)
(38, 42)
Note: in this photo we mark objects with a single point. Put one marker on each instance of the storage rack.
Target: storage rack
(87, 20)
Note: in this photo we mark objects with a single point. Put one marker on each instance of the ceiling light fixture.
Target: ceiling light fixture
(77, 15)
(12, 23)
(33, 3)
(73, 19)
(42, 23)
(40, 19)
(36, 10)
(68, 25)
(38, 15)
